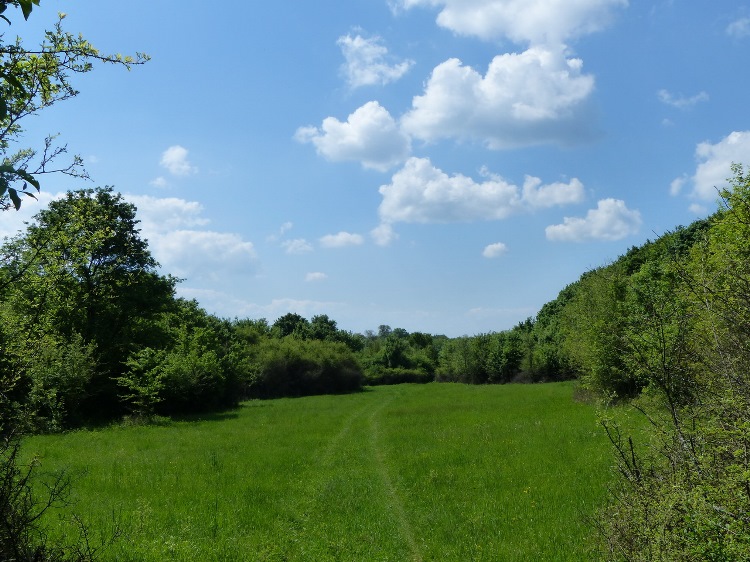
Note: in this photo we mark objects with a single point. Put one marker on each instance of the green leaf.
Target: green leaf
(26, 6)
(15, 198)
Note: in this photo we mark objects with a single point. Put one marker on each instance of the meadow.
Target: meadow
(408, 472)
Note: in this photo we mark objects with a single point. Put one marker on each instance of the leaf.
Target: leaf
(14, 197)
(26, 6)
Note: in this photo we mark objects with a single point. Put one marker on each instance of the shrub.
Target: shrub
(293, 367)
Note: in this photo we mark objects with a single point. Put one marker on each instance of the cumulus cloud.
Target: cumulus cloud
(611, 220)
(534, 97)
(179, 240)
(714, 164)
(341, 240)
(537, 195)
(315, 276)
(739, 28)
(175, 161)
(370, 135)
(297, 246)
(522, 21)
(422, 193)
(368, 63)
(383, 234)
(679, 101)
(495, 250)
(677, 184)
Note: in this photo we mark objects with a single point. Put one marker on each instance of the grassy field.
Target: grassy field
(410, 472)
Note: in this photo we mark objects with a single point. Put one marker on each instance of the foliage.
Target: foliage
(33, 80)
(684, 494)
(83, 273)
(292, 367)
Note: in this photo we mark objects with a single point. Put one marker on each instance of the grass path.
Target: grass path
(414, 473)
(394, 500)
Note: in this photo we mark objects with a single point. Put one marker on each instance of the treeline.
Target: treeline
(667, 327)
(91, 331)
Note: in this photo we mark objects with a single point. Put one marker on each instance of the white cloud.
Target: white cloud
(383, 234)
(611, 220)
(297, 246)
(534, 97)
(715, 161)
(178, 241)
(532, 21)
(161, 214)
(159, 182)
(495, 250)
(697, 209)
(367, 62)
(341, 240)
(175, 160)
(315, 276)
(202, 254)
(679, 101)
(370, 135)
(422, 193)
(739, 28)
(677, 184)
(537, 195)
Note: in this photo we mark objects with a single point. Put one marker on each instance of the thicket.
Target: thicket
(667, 326)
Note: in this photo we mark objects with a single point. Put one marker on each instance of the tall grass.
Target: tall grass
(411, 472)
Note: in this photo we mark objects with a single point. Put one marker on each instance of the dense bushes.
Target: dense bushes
(293, 367)
(670, 326)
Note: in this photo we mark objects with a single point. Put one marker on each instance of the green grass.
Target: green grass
(410, 472)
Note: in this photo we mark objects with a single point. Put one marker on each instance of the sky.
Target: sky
(444, 166)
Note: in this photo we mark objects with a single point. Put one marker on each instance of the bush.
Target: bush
(293, 367)
(378, 375)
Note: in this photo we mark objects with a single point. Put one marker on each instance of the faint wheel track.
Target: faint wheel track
(397, 506)
(328, 457)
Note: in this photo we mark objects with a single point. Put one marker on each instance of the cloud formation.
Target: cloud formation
(739, 29)
(368, 63)
(522, 21)
(611, 220)
(176, 234)
(175, 161)
(714, 164)
(315, 276)
(297, 246)
(534, 97)
(494, 250)
(383, 234)
(679, 101)
(370, 136)
(422, 193)
(341, 240)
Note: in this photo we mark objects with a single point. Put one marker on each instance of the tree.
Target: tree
(32, 80)
(84, 270)
(685, 493)
(289, 324)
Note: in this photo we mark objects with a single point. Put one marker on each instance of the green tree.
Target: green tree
(83, 269)
(683, 495)
(31, 80)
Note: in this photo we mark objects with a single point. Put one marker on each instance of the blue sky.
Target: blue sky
(444, 166)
